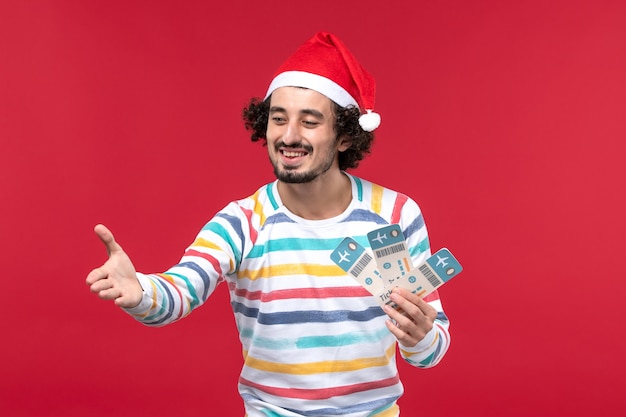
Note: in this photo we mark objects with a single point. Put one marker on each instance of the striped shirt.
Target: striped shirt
(314, 341)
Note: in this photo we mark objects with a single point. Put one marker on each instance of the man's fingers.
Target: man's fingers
(99, 285)
(109, 294)
(405, 301)
(107, 238)
(125, 302)
(409, 299)
(96, 275)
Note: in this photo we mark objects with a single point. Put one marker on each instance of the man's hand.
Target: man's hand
(413, 320)
(116, 279)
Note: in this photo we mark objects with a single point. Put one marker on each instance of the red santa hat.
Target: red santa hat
(324, 64)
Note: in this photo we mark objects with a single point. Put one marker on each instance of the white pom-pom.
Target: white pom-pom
(369, 121)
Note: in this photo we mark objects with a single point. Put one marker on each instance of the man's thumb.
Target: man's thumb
(107, 238)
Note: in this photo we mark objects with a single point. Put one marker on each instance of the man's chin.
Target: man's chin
(293, 177)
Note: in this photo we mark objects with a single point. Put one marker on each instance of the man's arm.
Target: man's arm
(423, 332)
(159, 299)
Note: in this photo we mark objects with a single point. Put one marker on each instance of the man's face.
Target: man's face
(301, 139)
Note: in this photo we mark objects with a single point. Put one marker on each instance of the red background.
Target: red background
(504, 120)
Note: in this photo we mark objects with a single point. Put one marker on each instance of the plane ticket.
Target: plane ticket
(388, 264)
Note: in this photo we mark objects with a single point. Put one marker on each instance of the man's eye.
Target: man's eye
(277, 119)
(310, 123)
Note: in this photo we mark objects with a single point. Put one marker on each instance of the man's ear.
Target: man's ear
(344, 143)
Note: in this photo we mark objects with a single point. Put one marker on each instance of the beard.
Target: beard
(293, 176)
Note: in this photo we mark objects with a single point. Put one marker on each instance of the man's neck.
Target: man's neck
(327, 196)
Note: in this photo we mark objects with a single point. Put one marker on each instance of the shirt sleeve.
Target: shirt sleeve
(430, 350)
(214, 254)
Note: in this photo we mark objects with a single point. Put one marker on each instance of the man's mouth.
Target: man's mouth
(292, 154)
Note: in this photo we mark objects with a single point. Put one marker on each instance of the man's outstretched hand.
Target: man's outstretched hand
(117, 279)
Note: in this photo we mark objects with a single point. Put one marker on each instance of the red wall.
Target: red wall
(504, 120)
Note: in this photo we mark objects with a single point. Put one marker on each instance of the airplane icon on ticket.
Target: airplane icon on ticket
(343, 257)
(379, 238)
(442, 261)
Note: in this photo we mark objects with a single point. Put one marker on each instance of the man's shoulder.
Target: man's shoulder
(370, 188)
(383, 200)
(264, 195)
(262, 202)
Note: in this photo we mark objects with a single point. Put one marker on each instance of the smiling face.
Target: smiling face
(301, 139)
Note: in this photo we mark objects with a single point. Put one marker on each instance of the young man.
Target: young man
(315, 343)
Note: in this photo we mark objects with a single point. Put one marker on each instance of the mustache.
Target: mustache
(299, 145)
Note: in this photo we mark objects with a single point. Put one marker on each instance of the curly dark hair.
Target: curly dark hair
(256, 117)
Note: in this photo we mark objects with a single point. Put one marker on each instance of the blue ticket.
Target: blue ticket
(390, 251)
(358, 262)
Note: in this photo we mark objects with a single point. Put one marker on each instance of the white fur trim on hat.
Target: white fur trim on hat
(322, 85)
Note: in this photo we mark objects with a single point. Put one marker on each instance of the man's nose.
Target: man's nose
(291, 134)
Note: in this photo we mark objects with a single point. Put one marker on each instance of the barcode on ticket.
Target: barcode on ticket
(390, 250)
(361, 264)
(430, 275)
